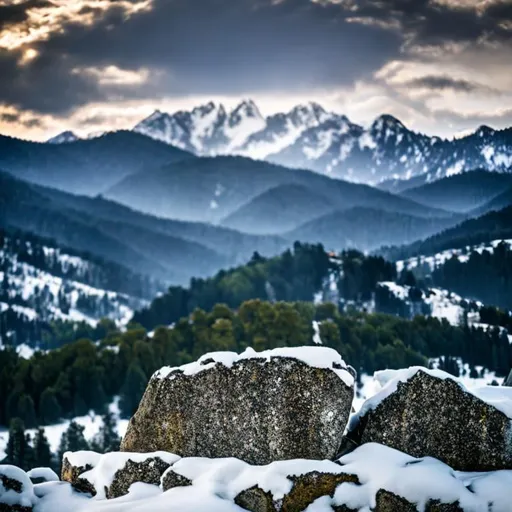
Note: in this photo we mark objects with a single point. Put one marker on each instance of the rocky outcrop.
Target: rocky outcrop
(111, 475)
(257, 407)
(427, 413)
(16, 490)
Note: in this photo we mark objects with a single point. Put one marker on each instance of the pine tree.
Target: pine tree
(73, 440)
(49, 408)
(27, 411)
(132, 391)
(17, 446)
(107, 439)
(42, 451)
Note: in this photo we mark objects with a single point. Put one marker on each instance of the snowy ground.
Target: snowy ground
(441, 257)
(443, 303)
(92, 423)
(32, 285)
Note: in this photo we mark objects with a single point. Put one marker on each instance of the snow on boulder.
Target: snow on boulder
(16, 490)
(290, 485)
(279, 404)
(431, 413)
(114, 473)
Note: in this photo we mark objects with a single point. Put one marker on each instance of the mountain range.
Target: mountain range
(310, 137)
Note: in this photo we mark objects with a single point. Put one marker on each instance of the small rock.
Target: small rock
(257, 407)
(305, 490)
(148, 471)
(431, 414)
(16, 490)
(111, 475)
(171, 479)
(74, 465)
(41, 475)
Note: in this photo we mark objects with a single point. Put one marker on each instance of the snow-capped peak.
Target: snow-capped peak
(64, 137)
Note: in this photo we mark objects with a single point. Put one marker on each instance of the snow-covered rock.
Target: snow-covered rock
(431, 413)
(278, 404)
(16, 490)
(110, 476)
(373, 477)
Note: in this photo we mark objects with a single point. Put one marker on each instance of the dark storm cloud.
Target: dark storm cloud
(15, 13)
(231, 47)
(429, 22)
(203, 47)
(14, 117)
(435, 82)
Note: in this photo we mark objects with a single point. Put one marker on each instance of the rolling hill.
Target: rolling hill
(85, 166)
(25, 206)
(211, 189)
(494, 225)
(367, 229)
(278, 210)
(461, 192)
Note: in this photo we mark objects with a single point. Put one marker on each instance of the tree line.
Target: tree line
(85, 375)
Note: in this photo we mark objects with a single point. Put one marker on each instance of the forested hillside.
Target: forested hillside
(50, 295)
(494, 225)
(69, 381)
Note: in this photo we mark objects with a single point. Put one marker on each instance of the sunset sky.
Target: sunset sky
(441, 66)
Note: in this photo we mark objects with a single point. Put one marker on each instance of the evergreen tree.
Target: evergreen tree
(107, 439)
(27, 411)
(132, 391)
(49, 408)
(42, 451)
(73, 440)
(17, 446)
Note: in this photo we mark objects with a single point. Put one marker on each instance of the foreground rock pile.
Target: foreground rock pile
(264, 432)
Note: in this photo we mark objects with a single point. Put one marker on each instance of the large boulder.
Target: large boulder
(16, 490)
(259, 407)
(113, 473)
(430, 413)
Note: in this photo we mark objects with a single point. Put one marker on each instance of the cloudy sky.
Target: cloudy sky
(441, 66)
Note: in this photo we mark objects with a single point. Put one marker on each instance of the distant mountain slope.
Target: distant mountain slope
(85, 166)
(25, 207)
(497, 203)
(237, 247)
(210, 189)
(461, 192)
(367, 229)
(279, 210)
(494, 225)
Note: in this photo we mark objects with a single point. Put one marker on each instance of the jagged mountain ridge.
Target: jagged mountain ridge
(310, 137)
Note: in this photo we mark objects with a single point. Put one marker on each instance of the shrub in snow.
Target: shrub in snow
(279, 404)
(111, 475)
(16, 490)
(430, 413)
